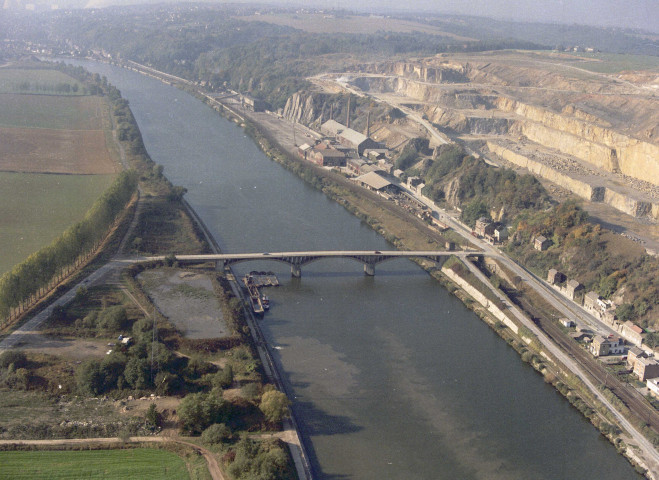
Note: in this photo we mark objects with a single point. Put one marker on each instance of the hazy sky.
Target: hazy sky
(624, 13)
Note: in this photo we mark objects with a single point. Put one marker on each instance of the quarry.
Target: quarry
(582, 124)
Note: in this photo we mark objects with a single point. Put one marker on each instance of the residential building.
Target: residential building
(541, 243)
(567, 322)
(554, 277)
(483, 227)
(645, 368)
(633, 354)
(653, 386)
(574, 290)
(590, 301)
(632, 332)
(500, 233)
(611, 345)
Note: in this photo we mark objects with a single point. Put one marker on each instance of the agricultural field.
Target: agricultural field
(320, 23)
(40, 150)
(62, 135)
(35, 209)
(55, 112)
(137, 463)
(38, 81)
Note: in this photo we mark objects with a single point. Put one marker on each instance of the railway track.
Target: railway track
(631, 398)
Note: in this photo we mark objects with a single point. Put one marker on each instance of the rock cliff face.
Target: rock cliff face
(603, 147)
(305, 108)
(468, 122)
(620, 200)
(443, 73)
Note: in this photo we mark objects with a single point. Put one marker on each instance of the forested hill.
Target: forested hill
(213, 44)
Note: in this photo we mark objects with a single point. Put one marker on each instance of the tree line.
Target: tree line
(37, 273)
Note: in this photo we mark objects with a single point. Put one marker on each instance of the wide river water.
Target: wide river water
(392, 377)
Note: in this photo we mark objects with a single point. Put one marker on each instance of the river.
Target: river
(392, 377)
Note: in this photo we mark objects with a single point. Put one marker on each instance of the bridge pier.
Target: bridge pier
(369, 269)
(296, 271)
(219, 265)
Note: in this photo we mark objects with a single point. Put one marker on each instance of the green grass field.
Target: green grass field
(36, 208)
(50, 111)
(615, 63)
(37, 81)
(138, 464)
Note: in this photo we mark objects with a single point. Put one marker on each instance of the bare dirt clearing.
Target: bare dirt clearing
(55, 151)
(69, 348)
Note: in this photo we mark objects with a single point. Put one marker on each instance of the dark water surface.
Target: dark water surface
(393, 378)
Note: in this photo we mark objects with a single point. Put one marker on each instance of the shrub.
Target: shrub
(89, 378)
(153, 417)
(137, 373)
(198, 411)
(223, 378)
(114, 318)
(13, 357)
(216, 433)
(274, 405)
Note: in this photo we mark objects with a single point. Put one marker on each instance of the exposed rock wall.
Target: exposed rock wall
(445, 73)
(595, 153)
(596, 144)
(425, 92)
(301, 108)
(578, 187)
(639, 160)
(595, 193)
(462, 123)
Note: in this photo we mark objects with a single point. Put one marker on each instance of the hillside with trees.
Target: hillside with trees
(613, 266)
(456, 179)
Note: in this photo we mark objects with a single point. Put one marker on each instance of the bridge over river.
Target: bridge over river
(369, 258)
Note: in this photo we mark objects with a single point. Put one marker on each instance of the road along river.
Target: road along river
(392, 376)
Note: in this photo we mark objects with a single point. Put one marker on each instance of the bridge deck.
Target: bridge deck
(318, 254)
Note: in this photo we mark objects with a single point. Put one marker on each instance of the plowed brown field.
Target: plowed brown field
(55, 151)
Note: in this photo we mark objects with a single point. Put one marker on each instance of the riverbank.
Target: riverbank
(291, 435)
